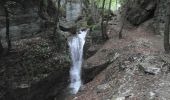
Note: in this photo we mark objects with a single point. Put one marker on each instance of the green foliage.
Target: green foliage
(35, 57)
(40, 51)
(96, 27)
(40, 58)
(67, 57)
(62, 10)
(114, 4)
(82, 24)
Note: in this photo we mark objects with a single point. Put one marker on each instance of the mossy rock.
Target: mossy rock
(82, 24)
(62, 11)
(90, 20)
(96, 27)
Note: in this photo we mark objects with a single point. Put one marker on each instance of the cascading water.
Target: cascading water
(76, 44)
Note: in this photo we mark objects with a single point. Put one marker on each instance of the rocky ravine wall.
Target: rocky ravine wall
(142, 10)
(159, 17)
(23, 23)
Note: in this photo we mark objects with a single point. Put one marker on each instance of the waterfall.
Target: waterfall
(76, 44)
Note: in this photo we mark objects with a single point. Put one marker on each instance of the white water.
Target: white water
(76, 44)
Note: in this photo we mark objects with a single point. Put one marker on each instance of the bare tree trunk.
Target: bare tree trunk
(107, 20)
(7, 29)
(157, 14)
(86, 5)
(43, 9)
(124, 19)
(56, 19)
(55, 28)
(120, 32)
(94, 12)
(103, 25)
(110, 2)
(102, 18)
(116, 5)
(166, 33)
(1, 47)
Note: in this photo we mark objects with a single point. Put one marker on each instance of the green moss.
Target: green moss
(82, 24)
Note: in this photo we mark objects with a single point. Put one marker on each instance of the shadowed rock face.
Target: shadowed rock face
(141, 11)
(24, 20)
(68, 27)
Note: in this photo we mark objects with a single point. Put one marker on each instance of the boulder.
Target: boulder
(97, 63)
(149, 69)
(92, 50)
(45, 89)
(141, 11)
(67, 26)
(89, 71)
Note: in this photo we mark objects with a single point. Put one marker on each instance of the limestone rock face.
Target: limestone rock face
(24, 22)
(141, 11)
(67, 26)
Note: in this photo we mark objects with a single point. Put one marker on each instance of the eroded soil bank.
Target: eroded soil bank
(139, 71)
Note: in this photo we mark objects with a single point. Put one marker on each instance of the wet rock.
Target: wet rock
(89, 72)
(67, 26)
(93, 68)
(63, 35)
(89, 49)
(92, 50)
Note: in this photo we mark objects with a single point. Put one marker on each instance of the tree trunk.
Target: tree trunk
(120, 32)
(110, 2)
(157, 14)
(1, 47)
(102, 18)
(7, 29)
(56, 36)
(103, 26)
(166, 33)
(85, 8)
(124, 19)
(43, 10)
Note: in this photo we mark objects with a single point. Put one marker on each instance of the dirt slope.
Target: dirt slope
(140, 70)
